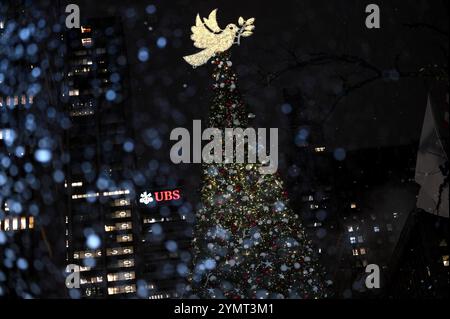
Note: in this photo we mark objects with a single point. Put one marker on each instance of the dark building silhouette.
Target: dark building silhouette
(420, 264)
(353, 202)
(374, 191)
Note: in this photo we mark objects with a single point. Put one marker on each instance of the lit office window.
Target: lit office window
(130, 288)
(87, 254)
(352, 240)
(109, 228)
(119, 251)
(124, 225)
(86, 62)
(353, 205)
(117, 192)
(445, 260)
(121, 263)
(161, 296)
(74, 92)
(350, 229)
(82, 112)
(15, 223)
(92, 280)
(121, 214)
(320, 149)
(2, 24)
(126, 275)
(149, 220)
(85, 29)
(82, 70)
(86, 42)
(362, 251)
(126, 263)
(86, 195)
(124, 238)
(121, 289)
(355, 252)
(376, 229)
(113, 290)
(23, 223)
(31, 222)
(121, 202)
(395, 215)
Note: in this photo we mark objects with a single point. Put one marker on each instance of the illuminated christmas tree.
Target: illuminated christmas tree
(247, 242)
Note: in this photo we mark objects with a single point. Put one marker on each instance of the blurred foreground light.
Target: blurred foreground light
(143, 54)
(43, 155)
(93, 241)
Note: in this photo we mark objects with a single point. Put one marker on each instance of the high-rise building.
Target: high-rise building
(374, 193)
(353, 202)
(165, 244)
(122, 249)
(102, 223)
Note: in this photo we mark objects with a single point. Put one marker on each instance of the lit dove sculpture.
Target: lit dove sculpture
(207, 35)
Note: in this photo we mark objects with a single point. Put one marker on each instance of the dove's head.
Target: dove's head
(232, 28)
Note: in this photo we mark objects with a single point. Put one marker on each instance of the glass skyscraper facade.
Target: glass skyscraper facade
(101, 220)
(122, 249)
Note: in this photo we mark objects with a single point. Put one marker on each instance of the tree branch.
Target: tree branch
(423, 25)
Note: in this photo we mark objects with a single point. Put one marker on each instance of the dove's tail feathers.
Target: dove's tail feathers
(200, 58)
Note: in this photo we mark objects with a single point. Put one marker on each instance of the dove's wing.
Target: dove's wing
(211, 22)
(203, 38)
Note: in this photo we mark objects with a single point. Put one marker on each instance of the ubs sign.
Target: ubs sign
(160, 196)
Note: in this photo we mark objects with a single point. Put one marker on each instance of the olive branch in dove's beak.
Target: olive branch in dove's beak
(245, 30)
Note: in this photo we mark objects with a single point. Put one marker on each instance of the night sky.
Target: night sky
(167, 92)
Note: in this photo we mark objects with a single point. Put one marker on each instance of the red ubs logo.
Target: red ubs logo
(161, 196)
